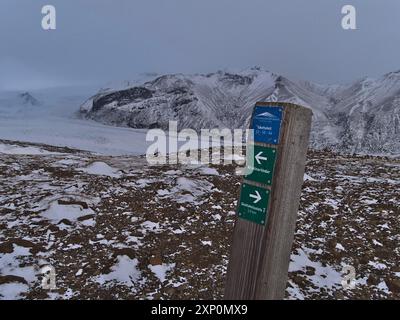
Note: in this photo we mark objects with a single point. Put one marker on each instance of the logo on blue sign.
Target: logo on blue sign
(267, 124)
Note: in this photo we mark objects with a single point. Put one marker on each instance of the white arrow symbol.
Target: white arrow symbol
(259, 157)
(256, 196)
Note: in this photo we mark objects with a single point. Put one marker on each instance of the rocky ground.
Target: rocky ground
(118, 228)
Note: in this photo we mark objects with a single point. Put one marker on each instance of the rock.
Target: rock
(331, 243)
(396, 269)
(393, 285)
(83, 204)
(157, 296)
(12, 278)
(53, 228)
(339, 295)
(373, 280)
(170, 291)
(65, 221)
(6, 247)
(383, 253)
(310, 271)
(156, 260)
(125, 252)
(23, 243)
(77, 239)
(61, 233)
(338, 222)
(325, 217)
(87, 217)
(364, 260)
(183, 287)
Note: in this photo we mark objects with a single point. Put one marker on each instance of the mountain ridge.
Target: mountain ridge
(360, 117)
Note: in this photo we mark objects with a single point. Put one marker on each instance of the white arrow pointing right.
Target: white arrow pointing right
(256, 196)
(259, 157)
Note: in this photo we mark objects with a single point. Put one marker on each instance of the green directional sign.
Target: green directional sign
(260, 167)
(253, 204)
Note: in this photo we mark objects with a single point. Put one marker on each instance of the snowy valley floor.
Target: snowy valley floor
(117, 228)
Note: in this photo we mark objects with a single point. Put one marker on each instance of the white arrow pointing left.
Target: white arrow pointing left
(259, 157)
(256, 196)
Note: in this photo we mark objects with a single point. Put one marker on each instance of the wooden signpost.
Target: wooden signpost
(269, 201)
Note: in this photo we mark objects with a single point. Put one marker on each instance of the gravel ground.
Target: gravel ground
(117, 228)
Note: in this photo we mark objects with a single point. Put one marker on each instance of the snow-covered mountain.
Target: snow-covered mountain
(17, 100)
(361, 117)
(27, 99)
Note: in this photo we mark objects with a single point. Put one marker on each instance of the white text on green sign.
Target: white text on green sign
(253, 203)
(260, 164)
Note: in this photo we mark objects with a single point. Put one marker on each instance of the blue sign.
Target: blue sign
(267, 124)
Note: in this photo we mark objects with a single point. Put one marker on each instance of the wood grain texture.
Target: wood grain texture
(260, 255)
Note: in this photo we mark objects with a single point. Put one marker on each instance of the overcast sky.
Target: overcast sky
(109, 40)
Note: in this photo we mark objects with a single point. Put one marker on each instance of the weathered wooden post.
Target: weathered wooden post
(269, 201)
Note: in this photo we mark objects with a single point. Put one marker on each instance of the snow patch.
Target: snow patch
(324, 277)
(10, 265)
(57, 212)
(15, 149)
(101, 169)
(161, 271)
(124, 271)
